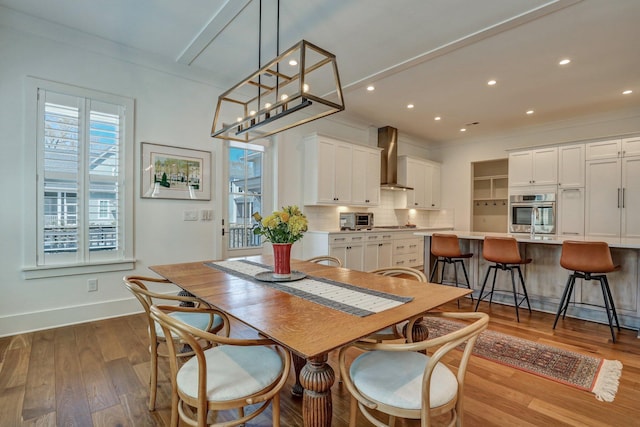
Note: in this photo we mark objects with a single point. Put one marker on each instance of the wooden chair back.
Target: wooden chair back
(437, 347)
(400, 271)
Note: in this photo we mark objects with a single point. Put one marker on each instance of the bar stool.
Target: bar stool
(446, 249)
(588, 261)
(504, 253)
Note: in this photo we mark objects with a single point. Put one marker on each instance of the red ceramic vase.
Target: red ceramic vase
(281, 260)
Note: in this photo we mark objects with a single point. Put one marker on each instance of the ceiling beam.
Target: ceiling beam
(227, 13)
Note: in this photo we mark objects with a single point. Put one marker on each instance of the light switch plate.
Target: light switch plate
(190, 215)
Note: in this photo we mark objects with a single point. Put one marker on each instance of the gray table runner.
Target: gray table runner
(329, 293)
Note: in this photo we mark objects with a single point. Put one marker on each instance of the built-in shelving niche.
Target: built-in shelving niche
(490, 184)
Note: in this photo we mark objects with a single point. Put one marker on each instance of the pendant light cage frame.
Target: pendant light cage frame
(300, 85)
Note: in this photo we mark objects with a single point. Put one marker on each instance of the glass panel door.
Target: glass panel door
(244, 197)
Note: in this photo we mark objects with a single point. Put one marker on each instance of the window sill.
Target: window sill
(74, 269)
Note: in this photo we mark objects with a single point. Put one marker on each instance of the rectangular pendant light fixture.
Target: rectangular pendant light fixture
(300, 85)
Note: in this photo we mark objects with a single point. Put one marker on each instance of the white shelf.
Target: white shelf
(494, 187)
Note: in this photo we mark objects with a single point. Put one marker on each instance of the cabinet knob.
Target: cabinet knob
(367, 201)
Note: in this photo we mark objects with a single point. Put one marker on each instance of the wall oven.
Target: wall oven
(537, 210)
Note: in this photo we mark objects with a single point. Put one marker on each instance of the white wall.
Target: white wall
(169, 110)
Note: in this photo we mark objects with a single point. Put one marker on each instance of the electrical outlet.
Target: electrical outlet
(92, 285)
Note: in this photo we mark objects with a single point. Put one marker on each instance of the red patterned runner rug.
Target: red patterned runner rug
(599, 376)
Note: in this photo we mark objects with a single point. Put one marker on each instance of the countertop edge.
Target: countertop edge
(628, 243)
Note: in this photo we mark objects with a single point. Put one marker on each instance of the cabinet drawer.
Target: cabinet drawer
(377, 237)
(346, 238)
(407, 246)
(407, 260)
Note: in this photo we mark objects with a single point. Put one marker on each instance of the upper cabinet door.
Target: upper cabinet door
(343, 173)
(372, 190)
(326, 178)
(631, 147)
(533, 167)
(520, 168)
(571, 166)
(435, 193)
(604, 149)
(545, 166)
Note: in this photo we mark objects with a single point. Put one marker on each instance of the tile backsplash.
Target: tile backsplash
(327, 218)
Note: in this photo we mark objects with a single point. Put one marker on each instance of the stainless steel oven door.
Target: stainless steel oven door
(542, 214)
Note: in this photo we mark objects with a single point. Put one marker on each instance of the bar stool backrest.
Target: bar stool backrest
(501, 250)
(587, 257)
(445, 245)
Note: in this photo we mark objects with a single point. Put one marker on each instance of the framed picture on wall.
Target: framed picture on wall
(169, 172)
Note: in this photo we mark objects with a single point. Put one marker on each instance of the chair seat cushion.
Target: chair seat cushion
(197, 320)
(232, 372)
(395, 379)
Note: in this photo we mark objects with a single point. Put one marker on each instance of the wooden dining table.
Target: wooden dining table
(308, 329)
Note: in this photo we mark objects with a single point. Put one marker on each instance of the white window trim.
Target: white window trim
(30, 267)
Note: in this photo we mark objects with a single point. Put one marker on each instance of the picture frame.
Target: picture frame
(169, 172)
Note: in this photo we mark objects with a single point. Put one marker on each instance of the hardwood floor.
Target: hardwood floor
(96, 374)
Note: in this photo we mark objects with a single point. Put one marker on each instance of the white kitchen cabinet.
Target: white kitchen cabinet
(613, 148)
(612, 202)
(408, 251)
(349, 249)
(424, 177)
(570, 212)
(630, 220)
(571, 164)
(365, 181)
(377, 251)
(436, 192)
(339, 173)
(533, 167)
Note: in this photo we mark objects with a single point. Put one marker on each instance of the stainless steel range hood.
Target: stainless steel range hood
(388, 141)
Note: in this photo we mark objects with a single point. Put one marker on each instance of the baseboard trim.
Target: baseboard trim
(64, 316)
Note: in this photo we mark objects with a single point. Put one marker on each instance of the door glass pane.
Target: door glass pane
(245, 197)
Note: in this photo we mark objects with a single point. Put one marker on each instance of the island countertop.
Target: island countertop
(617, 242)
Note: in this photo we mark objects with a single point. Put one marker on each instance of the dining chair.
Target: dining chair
(213, 322)
(232, 374)
(327, 260)
(395, 332)
(400, 381)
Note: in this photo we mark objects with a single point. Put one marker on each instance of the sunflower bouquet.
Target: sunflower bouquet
(284, 226)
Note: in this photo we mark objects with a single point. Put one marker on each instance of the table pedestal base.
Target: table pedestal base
(298, 363)
(316, 378)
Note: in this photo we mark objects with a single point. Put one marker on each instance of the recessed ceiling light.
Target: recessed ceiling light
(564, 61)
(463, 130)
(627, 92)
(409, 106)
(437, 118)
(293, 62)
(530, 112)
(492, 82)
(371, 88)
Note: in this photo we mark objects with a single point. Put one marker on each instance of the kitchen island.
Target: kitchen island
(545, 278)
